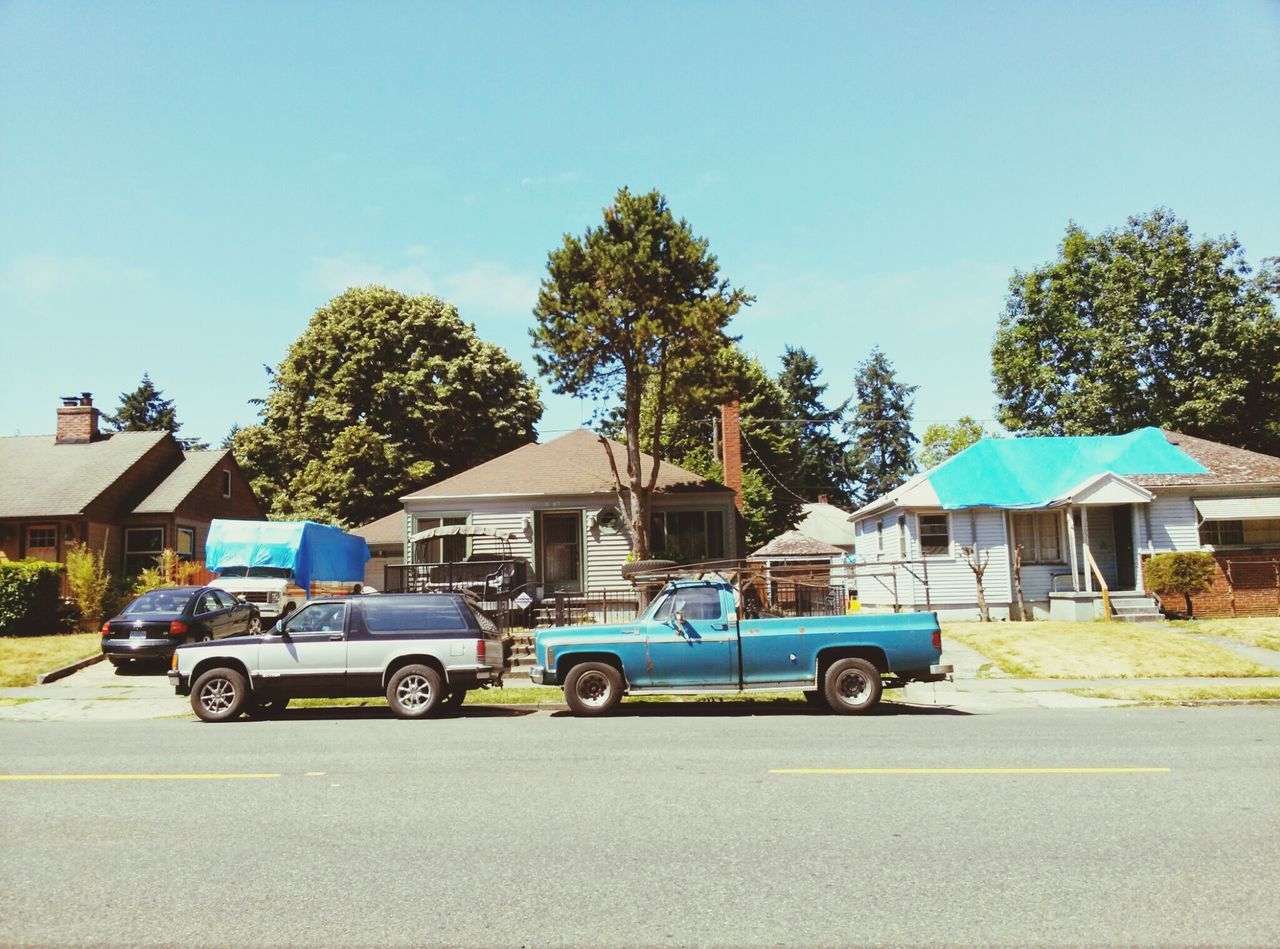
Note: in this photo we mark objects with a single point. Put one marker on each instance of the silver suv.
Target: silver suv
(422, 650)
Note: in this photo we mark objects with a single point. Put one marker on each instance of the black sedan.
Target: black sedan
(154, 624)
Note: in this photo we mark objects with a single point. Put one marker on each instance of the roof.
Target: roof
(173, 490)
(795, 544)
(1225, 464)
(383, 532)
(40, 478)
(1014, 473)
(826, 523)
(572, 464)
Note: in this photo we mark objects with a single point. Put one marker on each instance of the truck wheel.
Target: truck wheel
(593, 688)
(414, 691)
(852, 686)
(453, 700)
(816, 700)
(219, 695)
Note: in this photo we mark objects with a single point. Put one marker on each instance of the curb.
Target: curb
(47, 677)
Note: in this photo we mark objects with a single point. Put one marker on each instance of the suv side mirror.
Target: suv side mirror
(278, 627)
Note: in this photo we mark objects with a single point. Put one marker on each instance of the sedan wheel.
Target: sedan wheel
(255, 625)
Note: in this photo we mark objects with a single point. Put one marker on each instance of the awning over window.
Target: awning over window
(1237, 509)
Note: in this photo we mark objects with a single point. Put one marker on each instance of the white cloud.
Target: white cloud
(43, 275)
(485, 289)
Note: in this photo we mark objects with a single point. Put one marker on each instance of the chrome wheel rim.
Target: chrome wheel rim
(255, 625)
(217, 695)
(413, 692)
(853, 687)
(593, 688)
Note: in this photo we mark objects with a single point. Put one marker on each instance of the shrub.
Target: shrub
(1188, 573)
(89, 582)
(31, 597)
(170, 570)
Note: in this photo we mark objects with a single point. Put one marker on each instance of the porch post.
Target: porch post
(1071, 543)
(1088, 574)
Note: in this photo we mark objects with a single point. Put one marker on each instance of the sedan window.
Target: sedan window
(158, 601)
(209, 602)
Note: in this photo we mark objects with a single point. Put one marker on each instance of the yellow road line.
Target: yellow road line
(133, 777)
(970, 770)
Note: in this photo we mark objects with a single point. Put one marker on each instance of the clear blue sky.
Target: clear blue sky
(183, 184)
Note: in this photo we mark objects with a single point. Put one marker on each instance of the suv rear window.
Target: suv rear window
(389, 615)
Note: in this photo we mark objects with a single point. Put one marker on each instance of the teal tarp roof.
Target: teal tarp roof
(313, 551)
(1031, 472)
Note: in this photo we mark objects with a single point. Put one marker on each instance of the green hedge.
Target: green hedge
(31, 597)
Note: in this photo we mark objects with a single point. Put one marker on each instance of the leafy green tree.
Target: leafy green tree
(942, 440)
(145, 409)
(632, 305)
(882, 455)
(1142, 325)
(1187, 573)
(823, 455)
(381, 394)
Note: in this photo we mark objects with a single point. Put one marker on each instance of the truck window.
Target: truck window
(388, 615)
(699, 603)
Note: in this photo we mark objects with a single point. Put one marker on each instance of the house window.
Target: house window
(226, 482)
(186, 543)
(902, 537)
(142, 547)
(1258, 532)
(879, 537)
(440, 549)
(42, 538)
(1037, 532)
(935, 534)
(687, 536)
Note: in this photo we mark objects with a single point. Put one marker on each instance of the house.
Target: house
(554, 505)
(827, 523)
(385, 538)
(1085, 511)
(127, 494)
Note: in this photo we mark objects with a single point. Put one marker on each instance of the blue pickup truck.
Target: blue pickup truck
(695, 638)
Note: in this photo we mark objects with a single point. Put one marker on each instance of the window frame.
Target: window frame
(186, 532)
(925, 553)
(226, 482)
(1242, 531)
(709, 551)
(1034, 543)
(455, 519)
(131, 555)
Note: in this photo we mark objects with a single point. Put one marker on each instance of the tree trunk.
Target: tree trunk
(1187, 597)
(1023, 613)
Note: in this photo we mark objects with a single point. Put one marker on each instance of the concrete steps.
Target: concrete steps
(1135, 608)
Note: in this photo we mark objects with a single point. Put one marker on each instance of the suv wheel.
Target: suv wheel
(219, 694)
(414, 691)
(593, 688)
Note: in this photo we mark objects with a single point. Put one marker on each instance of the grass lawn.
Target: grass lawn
(1098, 650)
(23, 658)
(1239, 691)
(1251, 630)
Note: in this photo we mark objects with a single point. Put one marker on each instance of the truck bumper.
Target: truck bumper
(540, 676)
(179, 682)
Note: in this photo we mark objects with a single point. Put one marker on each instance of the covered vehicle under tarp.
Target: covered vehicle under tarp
(312, 551)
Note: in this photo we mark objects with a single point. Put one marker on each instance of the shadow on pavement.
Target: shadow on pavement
(138, 668)
(738, 709)
(341, 712)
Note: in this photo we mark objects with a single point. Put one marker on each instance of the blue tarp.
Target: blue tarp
(313, 551)
(1031, 472)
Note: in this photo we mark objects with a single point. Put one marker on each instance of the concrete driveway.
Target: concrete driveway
(99, 692)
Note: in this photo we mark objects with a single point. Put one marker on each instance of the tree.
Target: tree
(1186, 573)
(633, 305)
(146, 410)
(881, 456)
(1142, 325)
(942, 440)
(381, 394)
(823, 456)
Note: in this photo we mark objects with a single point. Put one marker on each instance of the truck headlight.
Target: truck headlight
(273, 596)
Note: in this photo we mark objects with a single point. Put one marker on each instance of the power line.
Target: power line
(746, 441)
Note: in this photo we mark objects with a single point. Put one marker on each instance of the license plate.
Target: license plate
(138, 634)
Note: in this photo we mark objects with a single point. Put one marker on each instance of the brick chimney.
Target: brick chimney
(822, 499)
(77, 420)
(732, 442)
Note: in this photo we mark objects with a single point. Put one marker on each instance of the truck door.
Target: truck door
(311, 654)
(689, 640)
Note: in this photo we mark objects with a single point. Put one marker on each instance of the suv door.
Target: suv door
(689, 639)
(310, 655)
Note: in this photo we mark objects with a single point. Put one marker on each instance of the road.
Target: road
(665, 825)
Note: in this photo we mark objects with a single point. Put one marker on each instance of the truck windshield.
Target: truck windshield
(272, 573)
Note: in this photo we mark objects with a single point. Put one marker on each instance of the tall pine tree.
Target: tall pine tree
(823, 465)
(145, 409)
(882, 455)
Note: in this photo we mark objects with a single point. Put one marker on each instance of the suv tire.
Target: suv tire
(219, 695)
(414, 691)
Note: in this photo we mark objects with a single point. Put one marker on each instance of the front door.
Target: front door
(560, 551)
(1122, 528)
(42, 542)
(310, 655)
(688, 640)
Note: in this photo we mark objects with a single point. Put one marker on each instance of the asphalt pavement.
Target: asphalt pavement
(664, 825)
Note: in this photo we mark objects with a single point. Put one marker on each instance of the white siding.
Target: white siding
(1173, 524)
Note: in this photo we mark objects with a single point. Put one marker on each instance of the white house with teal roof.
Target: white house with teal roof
(1085, 511)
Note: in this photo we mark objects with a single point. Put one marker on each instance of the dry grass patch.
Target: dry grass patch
(1230, 691)
(1251, 630)
(1047, 650)
(24, 658)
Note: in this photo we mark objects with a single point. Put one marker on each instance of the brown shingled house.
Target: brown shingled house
(128, 494)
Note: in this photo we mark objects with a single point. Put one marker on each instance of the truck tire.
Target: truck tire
(593, 688)
(219, 695)
(852, 686)
(629, 570)
(414, 691)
